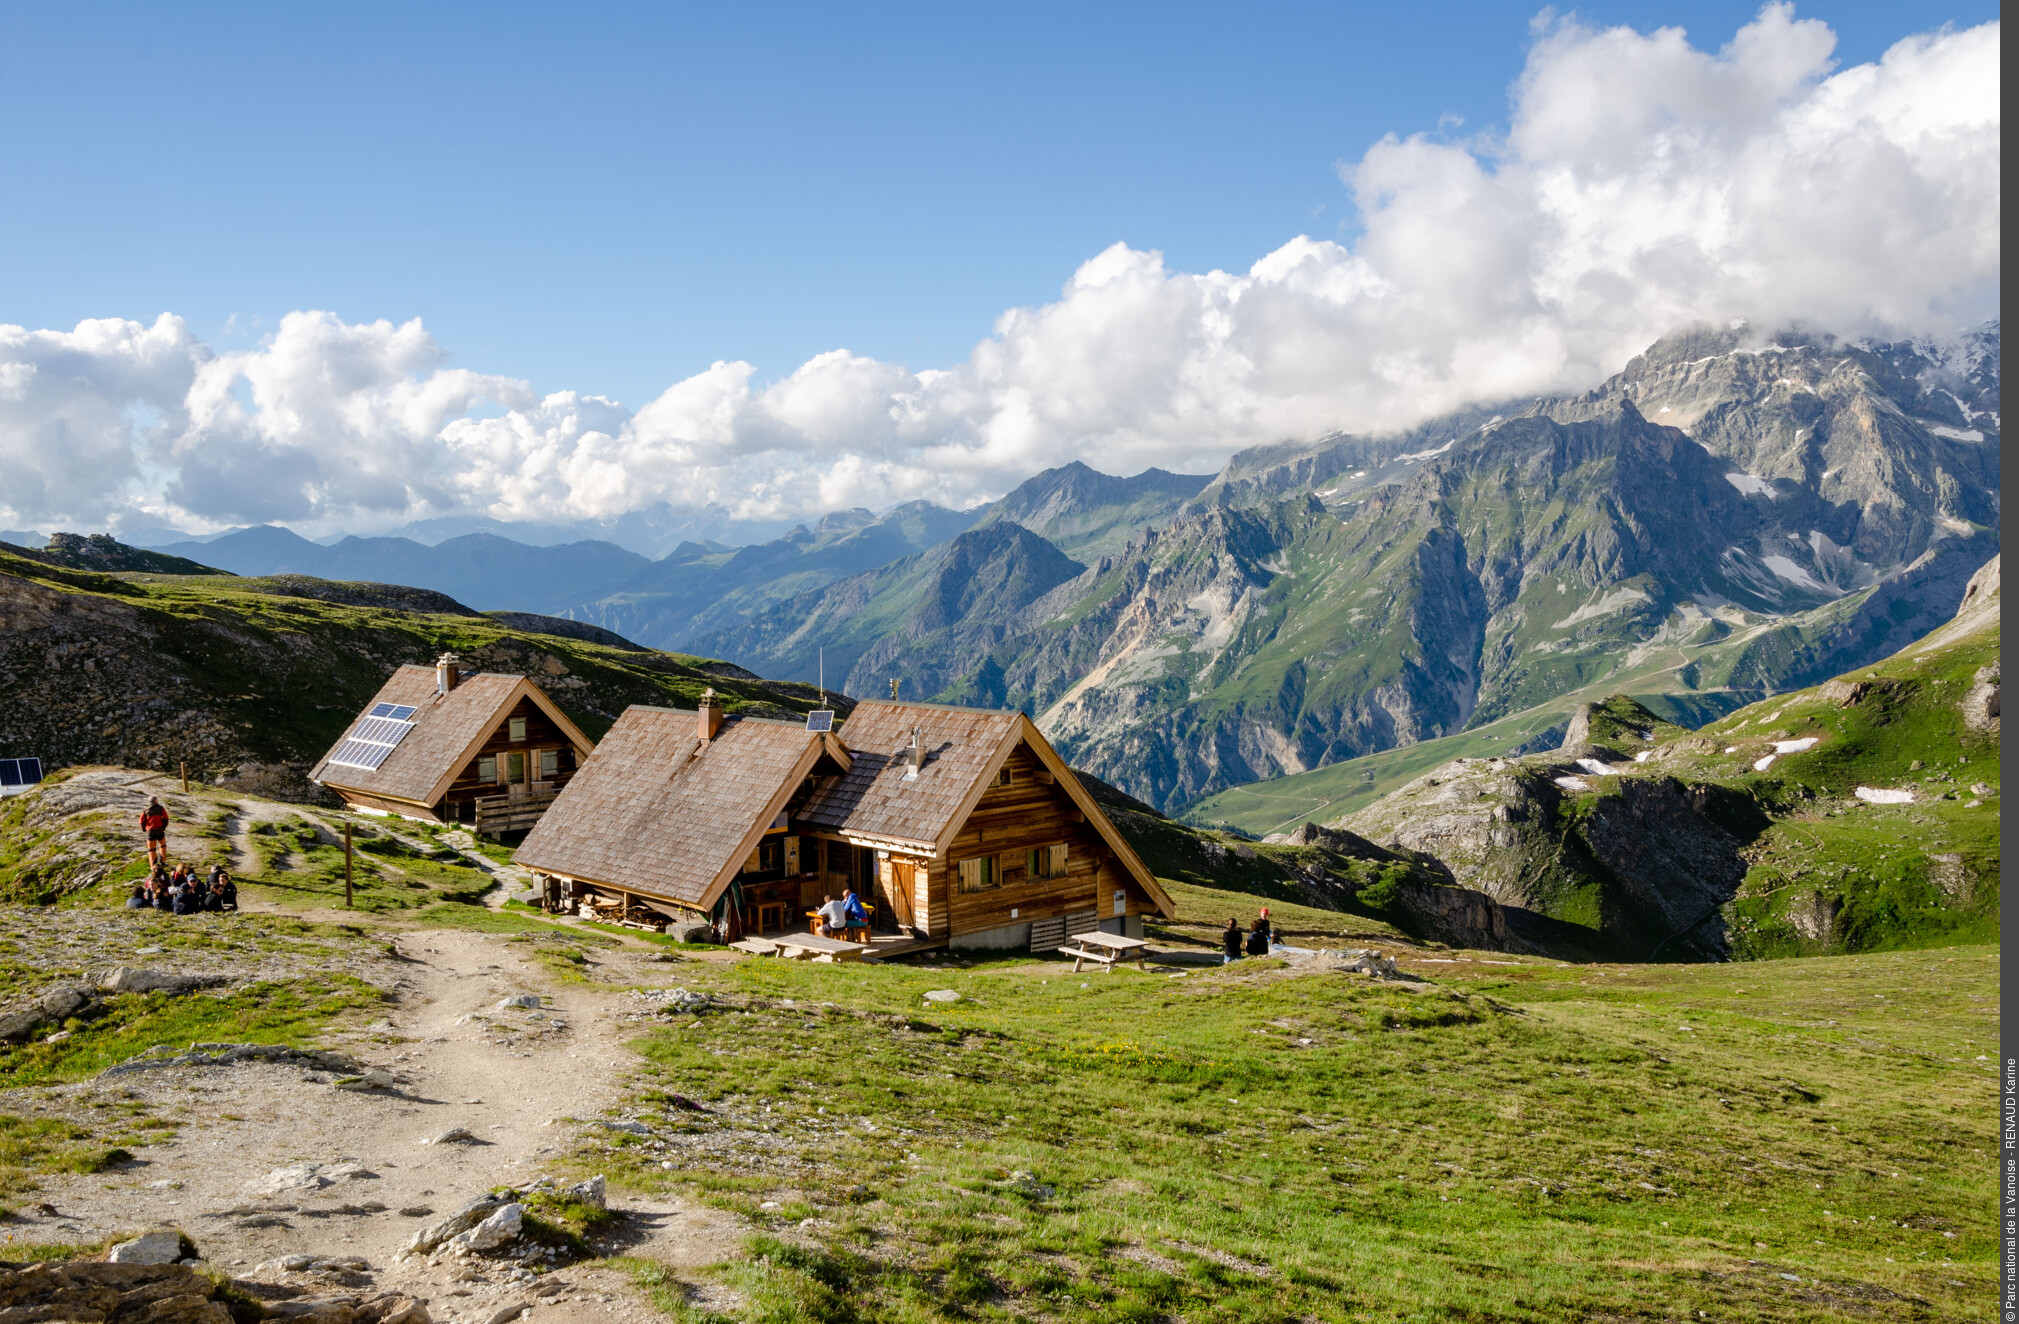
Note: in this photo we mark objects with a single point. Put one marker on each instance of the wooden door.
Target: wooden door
(903, 881)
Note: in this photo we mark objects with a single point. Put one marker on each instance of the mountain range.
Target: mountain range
(1730, 515)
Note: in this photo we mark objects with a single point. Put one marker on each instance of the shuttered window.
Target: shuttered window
(516, 730)
(550, 763)
(487, 768)
(978, 874)
(1046, 861)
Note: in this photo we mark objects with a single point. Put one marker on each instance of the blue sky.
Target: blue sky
(609, 198)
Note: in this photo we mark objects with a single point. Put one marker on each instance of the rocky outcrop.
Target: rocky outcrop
(1645, 863)
(113, 1293)
(1455, 916)
(150, 1291)
(1980, 705)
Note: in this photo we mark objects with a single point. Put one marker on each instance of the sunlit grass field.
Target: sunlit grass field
(1516, 1140)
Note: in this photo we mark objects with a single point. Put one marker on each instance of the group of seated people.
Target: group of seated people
(1257, 942)
(182, 891)
(842, 919)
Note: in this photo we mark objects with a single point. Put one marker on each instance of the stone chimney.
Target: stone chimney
(448, 672)
(711, 716)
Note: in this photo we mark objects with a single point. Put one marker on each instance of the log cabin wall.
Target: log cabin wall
(541, 734)
(1031, 812)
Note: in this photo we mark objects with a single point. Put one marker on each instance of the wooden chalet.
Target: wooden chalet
(958, 825)
(489, 750)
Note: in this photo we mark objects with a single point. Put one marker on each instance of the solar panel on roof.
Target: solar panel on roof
(820, 719)
(377, 734)
(20, 772)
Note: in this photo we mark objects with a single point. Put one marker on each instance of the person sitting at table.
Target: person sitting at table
(854, 915)
(833, 917)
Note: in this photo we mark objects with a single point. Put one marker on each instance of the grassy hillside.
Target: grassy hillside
(1858, 815)
(1510, 1141)
(154, 670)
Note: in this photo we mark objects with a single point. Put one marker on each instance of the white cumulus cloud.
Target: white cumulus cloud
(1643, 183)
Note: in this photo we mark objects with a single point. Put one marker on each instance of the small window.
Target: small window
(978, 874)
(518, 730)
(487, 768)
(1046, 861)
(515, 768)
(1002, 778)
(550, 763)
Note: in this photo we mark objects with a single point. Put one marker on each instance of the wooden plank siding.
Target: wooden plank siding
(1031, 812)
(541, 733)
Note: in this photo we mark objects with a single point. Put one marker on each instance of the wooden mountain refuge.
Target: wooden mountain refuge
(489, 750)
(957, 826)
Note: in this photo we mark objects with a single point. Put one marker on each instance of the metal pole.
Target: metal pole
(347, 866)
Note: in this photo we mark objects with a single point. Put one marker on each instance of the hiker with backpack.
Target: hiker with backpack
(154, 825)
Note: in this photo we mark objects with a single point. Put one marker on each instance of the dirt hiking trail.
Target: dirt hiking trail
(512, 1077)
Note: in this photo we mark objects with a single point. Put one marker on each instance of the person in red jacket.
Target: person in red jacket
(154, 822)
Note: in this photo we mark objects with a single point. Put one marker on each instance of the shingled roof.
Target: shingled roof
(963, 748)
(447, 729)
(658, 811)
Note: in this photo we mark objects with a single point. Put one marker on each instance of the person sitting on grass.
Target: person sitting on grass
(854, 915)
(222, 894)
(158, 885)
(1230, 940)
(188, 899)
(154, 823)
(833, 917)
(140, 900)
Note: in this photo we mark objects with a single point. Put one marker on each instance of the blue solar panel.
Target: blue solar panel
(20, 772)
(820, 719)
(399, 712)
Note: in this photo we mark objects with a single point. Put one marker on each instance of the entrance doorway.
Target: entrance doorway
(903, 884)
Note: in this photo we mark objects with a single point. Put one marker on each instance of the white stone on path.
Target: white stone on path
(495, 1231)
(162, 1246)
(942, 995)
(1878, 796)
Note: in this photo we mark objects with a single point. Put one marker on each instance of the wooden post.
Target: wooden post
(185, 778)
(347, 866)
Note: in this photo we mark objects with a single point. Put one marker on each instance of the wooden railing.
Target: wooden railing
(499, 814)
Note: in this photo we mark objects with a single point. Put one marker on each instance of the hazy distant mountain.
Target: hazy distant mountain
(925, 620)
(1086, 513)
(696, 590)
(483, 570)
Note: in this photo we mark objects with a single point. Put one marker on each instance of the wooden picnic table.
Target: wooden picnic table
(1104, 949)
(804, 945)
(868, 909)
